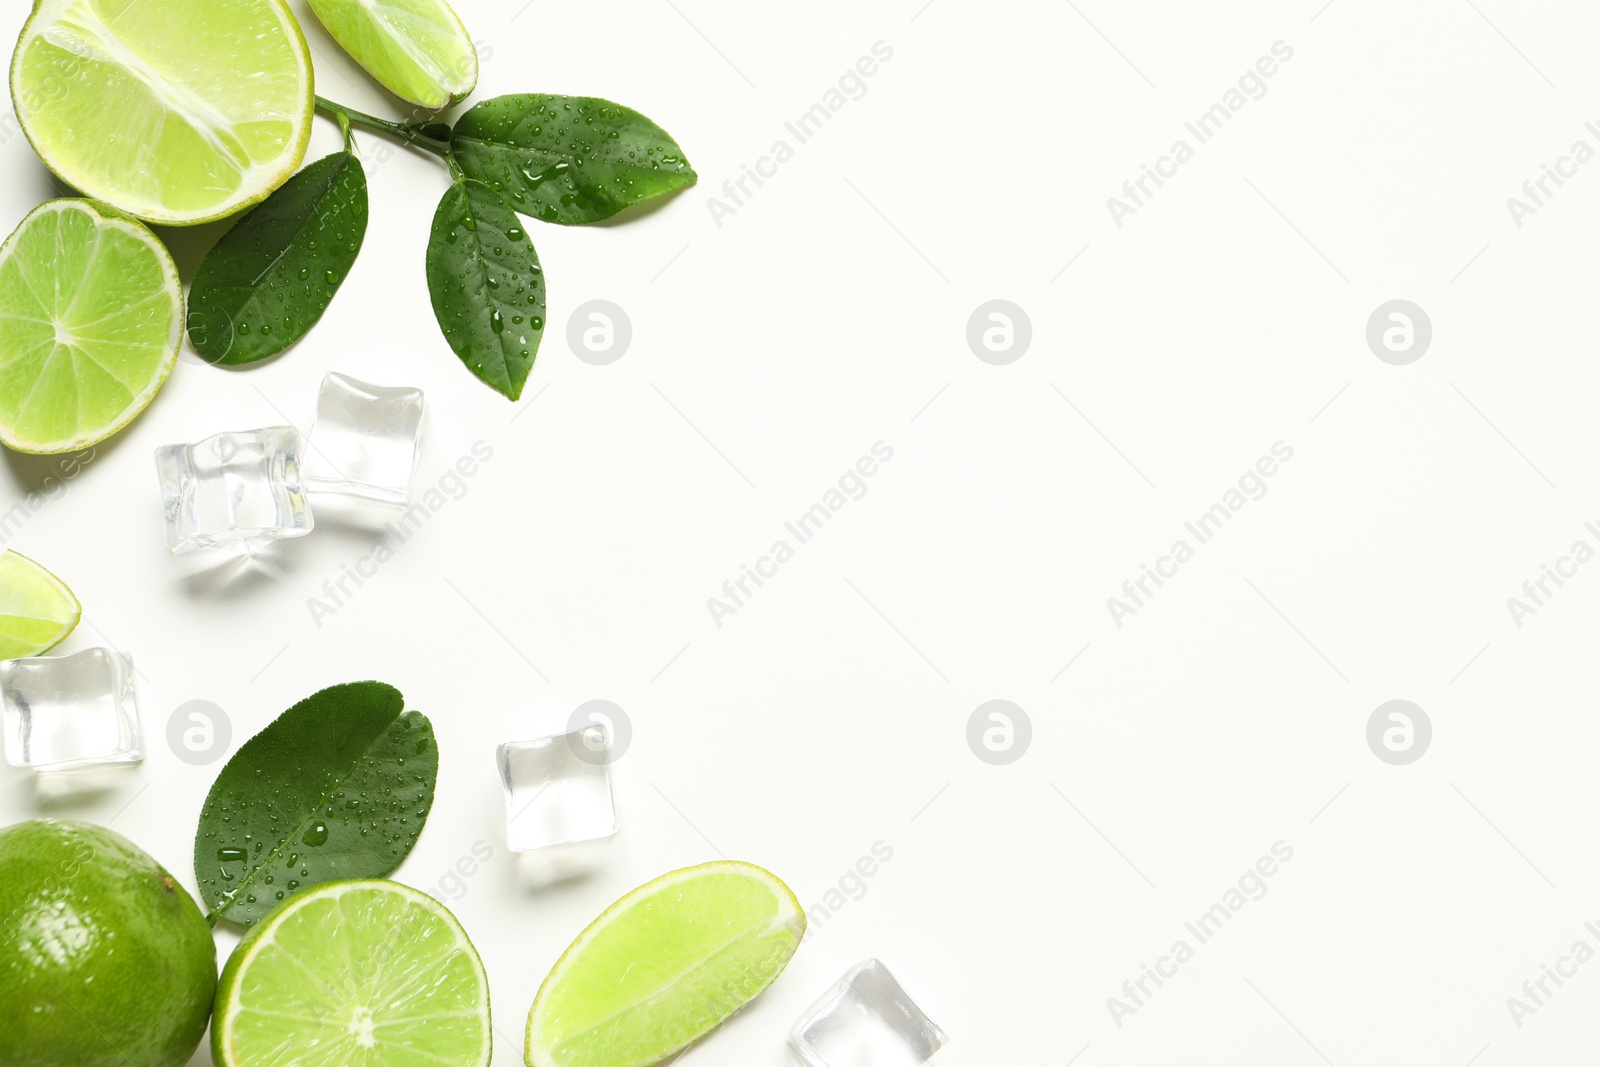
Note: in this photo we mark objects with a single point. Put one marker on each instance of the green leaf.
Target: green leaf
(271, 277)
(336, 787)
(568, 159)
(487, 285)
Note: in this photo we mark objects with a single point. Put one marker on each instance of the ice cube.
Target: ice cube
(364, 443)
(66, 712)
(560, 812)
(233, 489)
(866, 1020)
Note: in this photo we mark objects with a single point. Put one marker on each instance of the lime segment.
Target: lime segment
(369, 973)
(37, 610)
(416, 49)
(91, 319)
(177, 111)
(664, 966)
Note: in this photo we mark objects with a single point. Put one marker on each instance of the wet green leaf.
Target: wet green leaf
(568, 159)
(338, 786)
(487, 286)
(271, 277)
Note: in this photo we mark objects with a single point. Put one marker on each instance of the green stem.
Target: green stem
(408, 134)
(344, 129)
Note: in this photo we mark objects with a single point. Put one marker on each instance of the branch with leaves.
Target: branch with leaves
(568, 160)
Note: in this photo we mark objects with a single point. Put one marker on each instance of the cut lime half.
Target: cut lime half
(367, 973)
(416, 49)
(177, 111)
(91, 320)
(664, 966)
(37, 610)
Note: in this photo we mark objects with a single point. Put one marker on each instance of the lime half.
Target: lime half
(664, 966)
(91, 320)
(37, 610)
(364, 973)
(416, 49)
(177, 111)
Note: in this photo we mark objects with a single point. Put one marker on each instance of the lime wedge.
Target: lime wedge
(664, 966)
(177, 111)
(91, 319)
(37, 610)
(416, 49)
(354, 973)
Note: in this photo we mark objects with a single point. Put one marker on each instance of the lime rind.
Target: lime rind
(788, 918)
(187, 128)
(419, 50)
(114, 965)
(108, 364)
(296, 989)
(27, 593)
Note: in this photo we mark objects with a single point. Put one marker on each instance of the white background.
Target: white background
(829, 312)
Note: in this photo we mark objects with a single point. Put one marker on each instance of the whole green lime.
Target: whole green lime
(104, 959)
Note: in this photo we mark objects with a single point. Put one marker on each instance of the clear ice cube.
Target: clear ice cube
(560, 812)
(67, 712)
(866, 1020)
(233, 489)
(364, 443)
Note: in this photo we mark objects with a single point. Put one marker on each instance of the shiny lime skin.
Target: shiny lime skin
(105, 961)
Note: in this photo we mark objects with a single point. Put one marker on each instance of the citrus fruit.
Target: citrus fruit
(664, 966)
(177, 111)
(105, 961)
(37, 610)
(91, 319)
(416, 49)
(367, 973)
